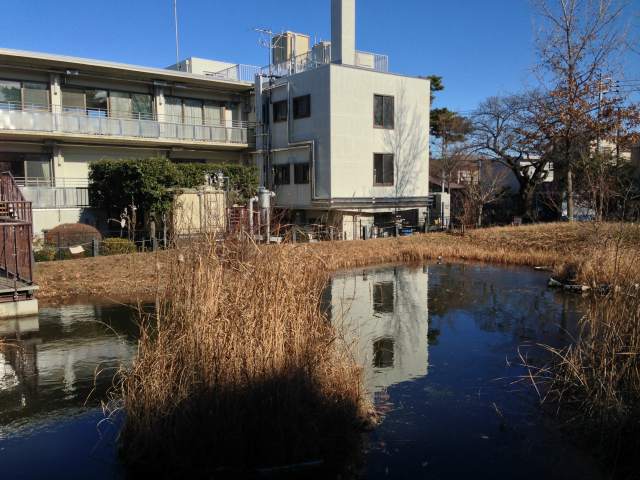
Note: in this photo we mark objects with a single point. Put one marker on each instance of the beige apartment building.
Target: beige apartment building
(339, 138)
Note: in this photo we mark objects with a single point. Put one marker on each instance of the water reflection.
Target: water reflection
(63, 358)
(384, 315)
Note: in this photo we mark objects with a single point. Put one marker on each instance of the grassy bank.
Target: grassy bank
(240, 369)
(587, 248)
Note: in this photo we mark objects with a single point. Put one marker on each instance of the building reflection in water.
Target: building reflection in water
(50, 362)
(383, 315)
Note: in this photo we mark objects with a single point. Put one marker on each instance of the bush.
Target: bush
(45, 254)
(117, 246)
(70, 234)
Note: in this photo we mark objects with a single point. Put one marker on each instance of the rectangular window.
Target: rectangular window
(192, 111)
(10, 95)
(280, 111)
(97, 105)
(73, 100)
(383, 170)
(173, 109)
(301, 173)
(383, 297)
(120, 104)
(302, 107)
(282, 175)
(142, 106)
(35, 96)
(213, 113)
(383, 111)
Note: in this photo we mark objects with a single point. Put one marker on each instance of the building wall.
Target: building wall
(354, 139)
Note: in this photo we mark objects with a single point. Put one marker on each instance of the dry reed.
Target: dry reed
(240, 368)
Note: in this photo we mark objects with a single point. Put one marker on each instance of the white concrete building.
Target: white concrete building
(340, 139)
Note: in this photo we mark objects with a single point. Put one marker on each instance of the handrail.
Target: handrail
(188, 120)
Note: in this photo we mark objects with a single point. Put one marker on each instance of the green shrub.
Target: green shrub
(45, 254)
(117, 246)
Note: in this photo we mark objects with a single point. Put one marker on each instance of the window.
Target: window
(97, 103)
(383, 169)
(383, 297)
(383, 111)
(28, 95)
(282, 175)
(35, 95)
(383, 353)
(192, 111)
(302, 107)
(280, 111)
(73, 100)
(213, 113)
(301, 173)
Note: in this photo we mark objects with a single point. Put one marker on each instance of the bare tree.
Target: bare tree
(489, 188)
(506, 131)
(578, 45)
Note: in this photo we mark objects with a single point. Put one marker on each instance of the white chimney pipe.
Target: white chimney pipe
(343, 32)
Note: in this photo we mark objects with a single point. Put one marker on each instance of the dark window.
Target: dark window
(301, 173)
(383, 111)
(280, 111)
(383, 297)
(97, 103)
(383, 353)
(282, 175)
(302, 107)
(383, 169)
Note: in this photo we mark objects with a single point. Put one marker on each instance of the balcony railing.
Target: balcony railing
(240, 72)
(47, 192)
(321, 55)
(44, 118)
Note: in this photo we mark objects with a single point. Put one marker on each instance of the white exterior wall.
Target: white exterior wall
(341, 124)
(354, 139)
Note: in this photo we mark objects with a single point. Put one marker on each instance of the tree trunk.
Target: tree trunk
(570, 200)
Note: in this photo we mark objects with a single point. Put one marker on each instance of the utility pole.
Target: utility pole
(175, 19)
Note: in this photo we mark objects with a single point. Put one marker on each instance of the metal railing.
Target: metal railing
(15, 232)
(240, 72)
(319, 56)
(45, 118)
(60, 182)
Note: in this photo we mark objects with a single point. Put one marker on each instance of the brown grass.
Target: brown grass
(240, 369)
(590, 248)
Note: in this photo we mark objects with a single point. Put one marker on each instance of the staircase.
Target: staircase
(16, 250)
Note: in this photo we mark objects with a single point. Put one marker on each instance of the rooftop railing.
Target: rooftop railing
(93, 121)
(240, 72)
(321, 55)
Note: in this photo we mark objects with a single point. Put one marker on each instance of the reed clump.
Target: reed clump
(240, 369)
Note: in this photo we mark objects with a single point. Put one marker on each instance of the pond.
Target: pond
(440, 345)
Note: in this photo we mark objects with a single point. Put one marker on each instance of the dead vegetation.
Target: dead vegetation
(240, 358)
(591, 248)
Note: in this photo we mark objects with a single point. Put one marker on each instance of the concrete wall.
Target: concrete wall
(354, 139)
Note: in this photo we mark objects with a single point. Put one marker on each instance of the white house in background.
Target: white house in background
(339, 138)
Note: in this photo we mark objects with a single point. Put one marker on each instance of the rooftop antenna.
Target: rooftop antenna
(266, 41)
(175, 19)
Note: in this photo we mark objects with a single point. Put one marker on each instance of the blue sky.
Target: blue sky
(481, 48)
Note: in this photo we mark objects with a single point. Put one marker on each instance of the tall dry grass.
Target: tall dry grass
(240, 369)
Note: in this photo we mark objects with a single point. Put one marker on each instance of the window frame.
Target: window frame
(275, 110)
(301, 170)
(384, 125)
(296, 103)
(278, 179)
(393, 173)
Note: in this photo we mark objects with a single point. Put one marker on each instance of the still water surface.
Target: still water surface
(440, 345)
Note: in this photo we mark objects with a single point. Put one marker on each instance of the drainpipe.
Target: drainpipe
(251, 202)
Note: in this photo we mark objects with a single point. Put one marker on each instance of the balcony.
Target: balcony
(15, 116)
(240, 72)
(55, 192)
